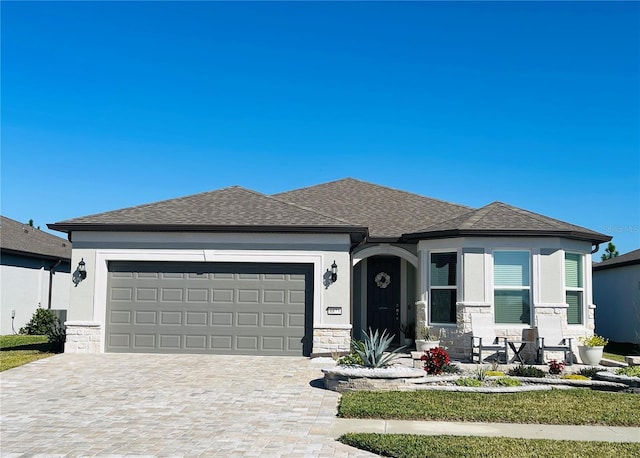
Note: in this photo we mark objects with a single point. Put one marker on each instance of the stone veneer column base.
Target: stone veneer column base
(331, 339)
(83, 337)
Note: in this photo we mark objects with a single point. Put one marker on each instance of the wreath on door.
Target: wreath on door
(382, 280)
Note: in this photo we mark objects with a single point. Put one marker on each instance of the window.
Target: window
(573, 287)
(512, 287)
(443, 287)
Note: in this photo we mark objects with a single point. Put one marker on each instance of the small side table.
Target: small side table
(518, 350)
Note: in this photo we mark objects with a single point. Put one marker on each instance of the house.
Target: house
(34, 271)
(616, 289)
(301, 272)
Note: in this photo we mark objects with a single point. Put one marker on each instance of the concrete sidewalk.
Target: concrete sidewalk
(527, 431)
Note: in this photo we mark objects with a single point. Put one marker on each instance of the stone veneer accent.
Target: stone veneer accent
(82, 337)
(327, 340)
(457, 340)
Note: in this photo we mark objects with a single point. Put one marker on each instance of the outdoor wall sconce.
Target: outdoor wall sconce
(334, 272)
(82, 269)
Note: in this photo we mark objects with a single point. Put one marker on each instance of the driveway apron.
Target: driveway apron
(168, 405)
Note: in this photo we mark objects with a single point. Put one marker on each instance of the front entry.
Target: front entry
(383, 295)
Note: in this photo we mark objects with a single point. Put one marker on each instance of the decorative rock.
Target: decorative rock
(619, 379)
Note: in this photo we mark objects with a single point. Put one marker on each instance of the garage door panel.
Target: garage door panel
(209, 308)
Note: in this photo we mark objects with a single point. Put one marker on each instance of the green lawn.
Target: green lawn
(18, 350)
(412, 446)
(557, 407)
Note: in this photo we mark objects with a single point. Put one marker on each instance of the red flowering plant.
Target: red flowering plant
(434, 360)
(556, 367)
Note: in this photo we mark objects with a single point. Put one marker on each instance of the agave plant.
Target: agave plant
(373, 348)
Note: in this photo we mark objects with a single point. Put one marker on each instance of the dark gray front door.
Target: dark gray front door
(383, 295)
(231, 308)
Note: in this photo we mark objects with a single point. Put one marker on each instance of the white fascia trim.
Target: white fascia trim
(104, 256)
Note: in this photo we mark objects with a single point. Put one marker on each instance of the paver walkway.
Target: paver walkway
(168, 405)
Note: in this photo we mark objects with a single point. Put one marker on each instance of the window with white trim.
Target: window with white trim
(574, 289)
(512, 286)
(443, 287)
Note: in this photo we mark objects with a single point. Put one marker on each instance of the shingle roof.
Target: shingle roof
(627, 259)
(21, 238)
(228, 207)
(385, 211)
(499, 218)
(346, 205)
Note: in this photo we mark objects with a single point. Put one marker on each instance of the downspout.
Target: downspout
(51, 272)
(597, 247)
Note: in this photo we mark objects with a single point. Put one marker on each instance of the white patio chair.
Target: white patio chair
(551, 338)
(483, 337)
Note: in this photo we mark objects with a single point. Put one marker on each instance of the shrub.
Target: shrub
(468, 381)
(45, 322)
(526, 371)
(589, 372)
(556, 367)
(353, 358)
(630, 371)
(507, 381)
(574, 377)
(450, 369)
(495, 373)
(371, 350)
(434, 360)
(42, 321)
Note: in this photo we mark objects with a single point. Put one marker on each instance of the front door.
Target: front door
(383, 295)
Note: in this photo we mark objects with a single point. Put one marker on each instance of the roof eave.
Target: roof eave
(594, 238)
(29, 254)
(357, 233)
(630, 262)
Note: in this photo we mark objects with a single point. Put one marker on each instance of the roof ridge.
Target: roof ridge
(31, 229)
(378, 186)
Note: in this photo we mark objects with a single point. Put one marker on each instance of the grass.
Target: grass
(613, 356)
(410, 446)
(18, 350)
(557, 407)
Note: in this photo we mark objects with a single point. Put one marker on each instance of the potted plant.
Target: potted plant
(427, 341)
(409, 331)
(591, 349)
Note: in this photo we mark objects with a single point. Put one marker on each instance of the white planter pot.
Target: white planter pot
(590, 355)
(426, 345)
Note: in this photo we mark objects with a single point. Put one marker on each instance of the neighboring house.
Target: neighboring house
(34, 271)
(236, 271)
(616, 290)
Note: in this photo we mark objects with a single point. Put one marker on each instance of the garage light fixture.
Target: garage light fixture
(334, 272)
(82, 269)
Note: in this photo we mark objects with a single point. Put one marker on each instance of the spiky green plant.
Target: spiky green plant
(373, 347)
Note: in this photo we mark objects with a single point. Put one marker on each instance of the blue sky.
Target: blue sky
(111, 104)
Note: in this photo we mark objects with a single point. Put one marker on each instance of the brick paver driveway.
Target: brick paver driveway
(168, 405)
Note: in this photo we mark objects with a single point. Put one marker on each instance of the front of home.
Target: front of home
(234, 271)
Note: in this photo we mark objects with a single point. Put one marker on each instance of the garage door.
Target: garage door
(163, 307)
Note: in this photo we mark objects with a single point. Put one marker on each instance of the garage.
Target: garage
(217, 308)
